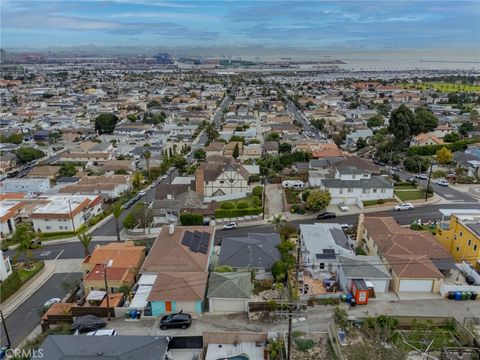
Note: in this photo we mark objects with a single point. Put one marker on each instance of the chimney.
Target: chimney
(171, 229)
(199, 181)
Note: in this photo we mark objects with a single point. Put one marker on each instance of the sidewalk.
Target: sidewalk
(9, 305)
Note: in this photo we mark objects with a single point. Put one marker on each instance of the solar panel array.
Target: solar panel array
(196, 241)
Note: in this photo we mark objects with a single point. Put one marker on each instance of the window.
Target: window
(340, 191)
(322, 266)
(46, 219)
(350, 190)
(221, 181)
(458, 249)
(48, 227)
(469, 242)
(383, 190)
(474, 247)
(374, 190)
(460, 234)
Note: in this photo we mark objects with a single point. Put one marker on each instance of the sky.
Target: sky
(364, 25)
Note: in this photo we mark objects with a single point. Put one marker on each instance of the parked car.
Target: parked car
(178, 320)
(421, 176)
(346, 226)
(142, 193)
(230, 226)
(412, 180)
(343, 207)
(52, 301)
(441, 182)
(103, 332)
(326, 215)
(403, 206)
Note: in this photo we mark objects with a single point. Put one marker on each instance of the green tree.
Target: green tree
(465, 128)
(257, 191)
(16, 138)
(452, 137)
(279, 270)
(132, 117)
(399, 125)
(137, 180)
(273, 136)
(444, 156)
(129, 221)
(361, 143)
(105, 123)
(200, 154)
(285, 148)
(179, 162)
(191, 219)
(67, 169)
(375, 121)
(416, 164)
(277, 221)
(425, 121)
(23, 237)
(85, 240)
(116, 212)
(28, 154)
(236, 151)
(318, 199)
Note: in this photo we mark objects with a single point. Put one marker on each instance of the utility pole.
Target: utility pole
(9, 343)
(105, 266)
(428, 182)
(71, 215)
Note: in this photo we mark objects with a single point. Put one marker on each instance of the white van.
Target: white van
(293, 184)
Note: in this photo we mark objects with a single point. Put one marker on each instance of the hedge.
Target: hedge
(56, 234)
(222, 213)
(428, 150)
(187, 219)
(11, 284)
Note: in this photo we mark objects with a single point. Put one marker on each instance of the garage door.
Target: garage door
(224, 305)
(416, 285)
(380, 286)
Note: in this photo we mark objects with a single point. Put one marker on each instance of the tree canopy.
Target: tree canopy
(28, 154)
(105, 123)
(444, 156)
(318, 199)
(67, 169)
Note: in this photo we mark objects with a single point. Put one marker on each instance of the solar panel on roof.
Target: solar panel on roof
(205, 238)
(203, 249)
(195, 246)
(187, 238)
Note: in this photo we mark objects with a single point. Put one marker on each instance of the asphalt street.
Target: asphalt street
(447, 193)
(70, 250)
(21, 322)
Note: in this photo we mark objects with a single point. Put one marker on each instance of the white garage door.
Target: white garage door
(380, 286)
(224, 305)
(416, 285)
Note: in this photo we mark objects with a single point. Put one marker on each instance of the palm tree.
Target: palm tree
(23, 236)
(277, 221)
(85, 239)
(147, 155)
(117, 211)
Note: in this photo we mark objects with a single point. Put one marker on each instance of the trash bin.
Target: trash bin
(127, 315)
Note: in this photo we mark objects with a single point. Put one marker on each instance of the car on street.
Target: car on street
(441, 182)
(232, 225)
(142, 193)
(326, 215)
(343, 207)
(52, 301)
(103, 332)
(178, 320)
(403, 206)
(421, 176)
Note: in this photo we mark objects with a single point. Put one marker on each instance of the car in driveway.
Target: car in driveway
(232, 225)
(343, 207)
(326, 215)
(178, 320)
(421, 176)
(346, 226)
(403, 206)
(52, 301)
(103, 332)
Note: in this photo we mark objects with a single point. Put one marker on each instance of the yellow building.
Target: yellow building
(461, 236)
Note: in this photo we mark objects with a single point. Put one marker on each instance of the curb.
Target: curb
(28, 289)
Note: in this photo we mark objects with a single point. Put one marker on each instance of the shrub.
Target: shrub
(305, 195)
(227, 205)
(257, 191)
(359, 251)
(242, 205)
(380, 201)
(439, 174)
(304, 344)
(254, 178)
(465, 179)
(223, 269)
(416, 226)
(256, 201)
(10, 285)
(189, 219)
(223, 213)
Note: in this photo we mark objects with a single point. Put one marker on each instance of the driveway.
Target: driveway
(274, 203)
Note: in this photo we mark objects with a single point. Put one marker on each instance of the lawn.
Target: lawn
(442, 87)
(26, 275)
(411, 195)
(292, 196)
(405, 186)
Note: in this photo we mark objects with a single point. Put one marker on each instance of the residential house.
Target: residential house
(47, 172)
(65, 212)
(113, 166)
(180, 257)
(93, 157)
(7, 162)
(5, 266)
(213, 180)
(121, 261)
(229, 292)
(320, 244)
(214, 148)
(109, 186)
(425, 139)
(252, 151)
(9, 216)
(416, 261)
(25, 185)
(230, 148)
(270, 147)
(324, 150)
(352, 138)
(351, 186)
(68, 347)
(256, 251)
(461, 235)
(474, 150)
(367, 268)
(441, 130)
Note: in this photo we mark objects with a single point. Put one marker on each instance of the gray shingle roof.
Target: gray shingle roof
(253, 251)
(233, 285)
(372, 183)
(367, 267)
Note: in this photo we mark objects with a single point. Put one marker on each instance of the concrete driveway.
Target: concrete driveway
(274, 204)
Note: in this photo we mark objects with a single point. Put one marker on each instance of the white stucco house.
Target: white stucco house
(5, 266)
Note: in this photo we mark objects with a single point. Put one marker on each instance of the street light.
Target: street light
(105, 266)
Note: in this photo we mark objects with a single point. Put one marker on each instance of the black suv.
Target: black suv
(178, 320)
(326, 215)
